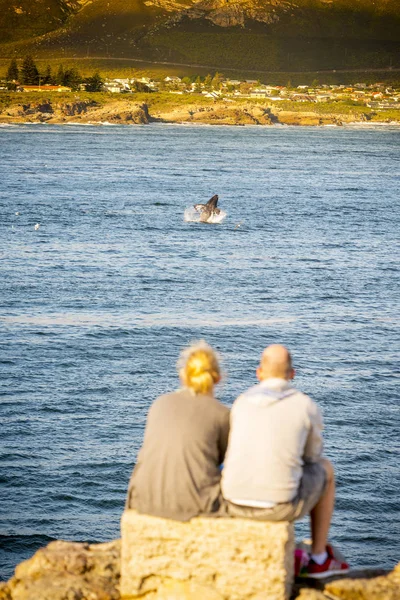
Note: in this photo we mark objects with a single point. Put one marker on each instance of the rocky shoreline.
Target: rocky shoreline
(137, 113)
(82, 571)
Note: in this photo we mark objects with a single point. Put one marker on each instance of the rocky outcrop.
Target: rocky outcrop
(74, 571)
(307, 118)
(231, 13)
(196, 109)
(358, 585)
(379, 588)
(226, 13)
(118, 112)
(229, 559)
(71, 109)
(85, 111)
(67, 571)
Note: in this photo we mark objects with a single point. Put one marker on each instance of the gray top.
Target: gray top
(177, 473)
(275, 429)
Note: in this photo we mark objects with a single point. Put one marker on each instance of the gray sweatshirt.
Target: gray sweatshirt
(275, 429)
(177, 475)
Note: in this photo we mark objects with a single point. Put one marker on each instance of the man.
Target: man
(273, 469)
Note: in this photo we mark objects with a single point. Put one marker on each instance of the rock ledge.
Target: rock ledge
(79, 571)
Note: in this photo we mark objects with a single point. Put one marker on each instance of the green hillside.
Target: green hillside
(275, 35)
(250, 49)
(24, 19)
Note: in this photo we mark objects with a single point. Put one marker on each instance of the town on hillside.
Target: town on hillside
(27, 78)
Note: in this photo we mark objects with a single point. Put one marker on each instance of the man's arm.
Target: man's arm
(314, 443)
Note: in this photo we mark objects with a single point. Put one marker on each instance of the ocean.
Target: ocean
(98, 301)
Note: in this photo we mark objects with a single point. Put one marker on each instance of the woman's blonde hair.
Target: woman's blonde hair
(198, 367)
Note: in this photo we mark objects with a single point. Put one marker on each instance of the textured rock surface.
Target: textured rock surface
(197, 110)
(86, 111)
(379, 588)
(71, 571)
(233, 558)
(67, 571)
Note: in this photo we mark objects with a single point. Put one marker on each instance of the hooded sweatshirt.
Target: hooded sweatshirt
(274, 430)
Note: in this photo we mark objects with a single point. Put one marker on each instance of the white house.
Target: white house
(113, 88)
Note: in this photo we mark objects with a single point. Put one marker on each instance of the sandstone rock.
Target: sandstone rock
(67, 571)
(235, 558)
(45, 107)
(73, 571)
(119, 112)
(379, 588)
(298, 118)
(309, 594)
(178, 590)
(5, 592)
(71, 109)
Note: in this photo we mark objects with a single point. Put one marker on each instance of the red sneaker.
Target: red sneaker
(301, 560)
(331, 566)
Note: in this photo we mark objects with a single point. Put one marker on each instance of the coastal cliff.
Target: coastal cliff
(81, 571)
(86, 111)
(131, 111)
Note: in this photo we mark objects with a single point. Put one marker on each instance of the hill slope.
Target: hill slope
(22, 19)
(260, 34)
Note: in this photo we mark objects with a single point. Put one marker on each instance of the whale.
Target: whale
(208, 210)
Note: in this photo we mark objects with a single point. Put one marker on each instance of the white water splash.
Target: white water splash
(192, 216)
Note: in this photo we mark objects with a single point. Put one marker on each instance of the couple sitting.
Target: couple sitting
(268, 447)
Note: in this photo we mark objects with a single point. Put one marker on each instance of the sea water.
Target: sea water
(97, 303)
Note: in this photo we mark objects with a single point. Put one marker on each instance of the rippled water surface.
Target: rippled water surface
(97, 303)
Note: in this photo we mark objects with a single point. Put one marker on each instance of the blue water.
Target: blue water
(98, 302)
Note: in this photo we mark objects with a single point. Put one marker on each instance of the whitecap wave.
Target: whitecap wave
(192, 216)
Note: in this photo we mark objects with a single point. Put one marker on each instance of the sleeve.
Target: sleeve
(314, 443)
(224, 435)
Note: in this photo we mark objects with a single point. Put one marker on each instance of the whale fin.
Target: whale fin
(212, 203)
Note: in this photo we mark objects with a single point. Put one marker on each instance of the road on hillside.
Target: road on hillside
(216, 68)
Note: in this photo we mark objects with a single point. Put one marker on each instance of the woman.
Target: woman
(177, 475)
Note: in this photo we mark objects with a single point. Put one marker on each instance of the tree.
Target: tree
(216, 81)
(48, 77)
(72, 79)
(197, 85)
(245, 88)
(141, 87)
(60, 75)
(208, 83)
(187, 82)
(13, 71)
(29, 71)
(94, 83)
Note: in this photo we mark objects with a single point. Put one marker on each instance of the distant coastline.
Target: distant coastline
(143, 109)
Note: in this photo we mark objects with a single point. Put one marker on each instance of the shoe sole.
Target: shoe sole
(327, 574)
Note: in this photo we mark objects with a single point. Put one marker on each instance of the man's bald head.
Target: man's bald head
(275, 362)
